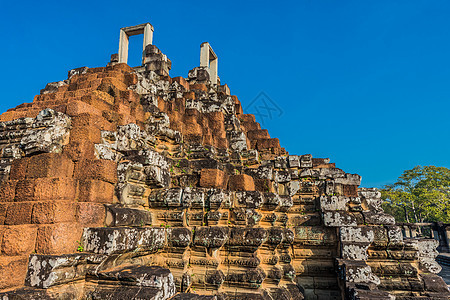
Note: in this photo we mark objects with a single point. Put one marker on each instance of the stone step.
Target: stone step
(45, 271)
(131, 282)
(123, 216)
(110, 240)
(443, 260)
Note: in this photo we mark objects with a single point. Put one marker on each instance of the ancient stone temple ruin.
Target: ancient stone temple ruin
(126, 183)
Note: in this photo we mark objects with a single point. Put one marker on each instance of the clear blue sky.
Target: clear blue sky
(365, 83)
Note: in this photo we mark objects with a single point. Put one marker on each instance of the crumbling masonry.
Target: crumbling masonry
(125, 183)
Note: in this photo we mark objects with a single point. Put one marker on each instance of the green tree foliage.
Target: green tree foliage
(421, 194)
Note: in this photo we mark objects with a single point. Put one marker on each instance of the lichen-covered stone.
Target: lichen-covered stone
(211, 237)
(45, 271)
(104, 240)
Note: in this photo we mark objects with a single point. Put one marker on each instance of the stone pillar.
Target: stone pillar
(407, 232)
(123, 46)
(413, 230)
(445, 237)
(214, 64)
(148, 35)
(208, 59)
(204, 55)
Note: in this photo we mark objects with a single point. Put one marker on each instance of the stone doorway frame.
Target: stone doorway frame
(209, 59)
(146, 29)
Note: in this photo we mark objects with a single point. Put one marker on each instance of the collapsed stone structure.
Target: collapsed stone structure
(125, 183)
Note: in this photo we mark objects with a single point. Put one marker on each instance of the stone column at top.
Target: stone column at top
(146, 29)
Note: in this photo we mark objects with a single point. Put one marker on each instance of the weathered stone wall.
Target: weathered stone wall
(164, 185)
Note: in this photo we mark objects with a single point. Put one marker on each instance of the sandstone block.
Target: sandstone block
(249, 199)
(194, 197)
(354, 251)
(251, 278)
(338, 219)
(49, 165)
(55, 189)
(123, 216)
(282, 176)
(57, 238)
(198, 86)
(18, 240)
(212, 178)
(179, 237)
(166, 198)
(3, 210)
(132, 292)
(19, 168)
(24, 190)
(271, 201)
(314, 235)
(108, 240)
(247, 238)
(92, 190)
(358, 272)
(214, 278)
(50, 212)
(90, 214)
(75, 108)
(356, 234)
(241, 182)
(333, 202)
(143, 276)
(219, 198)
(294, 161)
(7, 191)
(100, 169)
(79, 150)
(45, 271)
(211, 237)
(434, 283)
(79, 134)
(19, 213)
(378, 218)
(13, 271)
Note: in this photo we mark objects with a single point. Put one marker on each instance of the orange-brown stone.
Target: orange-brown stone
(92, 190)
(3, 210)
(58, 238)
(49, 212)
(7, 191)
(100, 169)
(50, 165)
(13, 271)
(90, 214)
(19, 240)
(212, 178)
(242, 182)
(19, 213)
